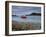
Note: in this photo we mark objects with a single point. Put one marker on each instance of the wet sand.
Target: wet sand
(17, 26)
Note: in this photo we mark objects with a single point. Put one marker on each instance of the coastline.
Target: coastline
(17, 26)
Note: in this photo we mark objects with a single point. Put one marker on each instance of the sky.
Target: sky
(24, 10)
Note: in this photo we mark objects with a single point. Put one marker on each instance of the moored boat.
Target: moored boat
(24, 17)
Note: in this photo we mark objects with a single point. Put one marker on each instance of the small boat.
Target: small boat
(24, 17)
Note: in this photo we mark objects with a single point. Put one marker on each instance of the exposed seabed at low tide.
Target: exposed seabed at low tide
(18, 26)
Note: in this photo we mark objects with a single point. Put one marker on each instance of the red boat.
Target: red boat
(24, 17)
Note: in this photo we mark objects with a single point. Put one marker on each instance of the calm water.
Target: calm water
(28, 19)
(35, 20)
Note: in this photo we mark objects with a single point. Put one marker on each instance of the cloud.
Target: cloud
(23, 10)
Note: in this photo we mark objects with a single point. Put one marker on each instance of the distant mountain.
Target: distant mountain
(15, 15)
(33, 14)
(37, 14)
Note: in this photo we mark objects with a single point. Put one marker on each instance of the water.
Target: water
(28, 19)
(35, 20)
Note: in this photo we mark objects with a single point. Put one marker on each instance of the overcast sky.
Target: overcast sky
(24, 10)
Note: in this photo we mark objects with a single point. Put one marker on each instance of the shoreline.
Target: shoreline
(16, 26)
